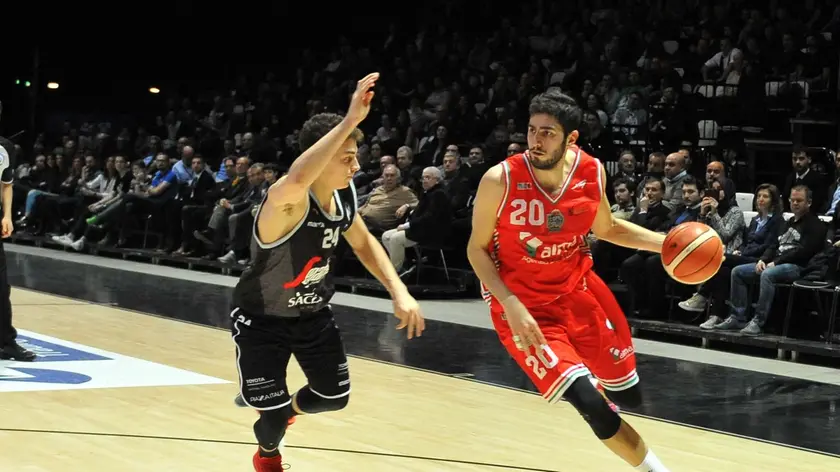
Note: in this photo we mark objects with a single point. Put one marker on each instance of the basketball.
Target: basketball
(692, 253)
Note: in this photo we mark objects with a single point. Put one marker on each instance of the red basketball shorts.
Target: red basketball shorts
(587, 334)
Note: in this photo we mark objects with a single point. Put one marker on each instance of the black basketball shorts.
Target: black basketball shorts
(264, 345)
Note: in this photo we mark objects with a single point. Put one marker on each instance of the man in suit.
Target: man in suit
(9, 348)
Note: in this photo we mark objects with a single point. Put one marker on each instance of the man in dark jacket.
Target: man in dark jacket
(428, 223)
(801, 237)
(649, 287)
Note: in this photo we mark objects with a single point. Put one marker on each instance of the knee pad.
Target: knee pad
(308, 401)
(271, 427)
(630, 398)
(593, 408)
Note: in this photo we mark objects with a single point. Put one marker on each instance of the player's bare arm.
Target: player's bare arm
(621, 232)
(287, 198)
(490, 194)
(372, 255)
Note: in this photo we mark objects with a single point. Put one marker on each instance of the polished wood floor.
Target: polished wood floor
(399, 419)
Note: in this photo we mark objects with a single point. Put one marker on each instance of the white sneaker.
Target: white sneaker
(64, 239)
(78, 245)
(711, 322)
(696, 303)
(228, 258)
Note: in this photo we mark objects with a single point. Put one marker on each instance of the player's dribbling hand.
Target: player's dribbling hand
(407, 310)
(360, 103)
(526, 332)
(8, 227)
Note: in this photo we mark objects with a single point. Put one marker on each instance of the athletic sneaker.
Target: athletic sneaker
(752, 329)
(696, 303)
(731, 324)
(711, 322)
(269, 464)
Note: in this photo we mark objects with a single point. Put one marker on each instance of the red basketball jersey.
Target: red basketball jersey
(539, 245)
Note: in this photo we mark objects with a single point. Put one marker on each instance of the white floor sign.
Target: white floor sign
(63, 365)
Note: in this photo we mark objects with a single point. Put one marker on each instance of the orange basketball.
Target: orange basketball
(692, 253)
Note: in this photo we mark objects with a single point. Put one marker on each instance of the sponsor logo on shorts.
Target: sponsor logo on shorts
(621, 355)
(266, 397)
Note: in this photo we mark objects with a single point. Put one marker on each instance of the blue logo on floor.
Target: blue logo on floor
(50, 352)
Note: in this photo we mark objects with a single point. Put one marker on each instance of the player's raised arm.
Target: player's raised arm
(373, 256)
(621, 232)
(294, 187)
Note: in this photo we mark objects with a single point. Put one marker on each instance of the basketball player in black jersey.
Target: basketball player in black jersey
(281, 301)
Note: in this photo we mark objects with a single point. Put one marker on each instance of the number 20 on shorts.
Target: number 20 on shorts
(545, 359)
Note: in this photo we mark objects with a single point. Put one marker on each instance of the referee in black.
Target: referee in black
(9, 348)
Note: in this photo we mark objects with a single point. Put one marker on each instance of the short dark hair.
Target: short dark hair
(657, 180)
(622, 181)
(272, 167)
(803, 188)
(559, 105)
(691, 180)
(318, 126)
(799, 149)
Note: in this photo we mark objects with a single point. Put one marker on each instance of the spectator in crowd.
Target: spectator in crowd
(427, 223)
(833, 194)
(801, 237)
(380, 210)
(627, 171)
(675, 173)
(803, 174)
(196, 202)
(649, 288)
(757, 238)
(232, 216)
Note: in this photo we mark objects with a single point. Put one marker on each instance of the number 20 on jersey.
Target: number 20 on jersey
(531, 212)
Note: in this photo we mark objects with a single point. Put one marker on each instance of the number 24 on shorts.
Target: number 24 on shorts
(545, 359)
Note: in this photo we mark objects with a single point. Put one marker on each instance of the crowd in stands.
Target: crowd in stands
(649, 74)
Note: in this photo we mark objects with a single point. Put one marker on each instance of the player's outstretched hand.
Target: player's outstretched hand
(360, 103)
(407, 310)
(526, 332)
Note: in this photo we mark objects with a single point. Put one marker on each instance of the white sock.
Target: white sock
(651, 464)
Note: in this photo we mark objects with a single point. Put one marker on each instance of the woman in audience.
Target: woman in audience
(756, 238)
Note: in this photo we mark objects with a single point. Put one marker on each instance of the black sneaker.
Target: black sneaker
(15, 352)
(238, 401)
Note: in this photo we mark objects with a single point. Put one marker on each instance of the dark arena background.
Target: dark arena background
(127, 305)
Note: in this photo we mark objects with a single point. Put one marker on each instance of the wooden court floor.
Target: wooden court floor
(399, 419)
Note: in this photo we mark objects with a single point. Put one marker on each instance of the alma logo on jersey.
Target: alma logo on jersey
(538, 250)
(621, 355)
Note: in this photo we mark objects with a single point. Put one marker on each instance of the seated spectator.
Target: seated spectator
(655, 170)
(833, 194)
(623, 208)
(428, 223)
(627, 171)
(650, 287)
(231, 216)
(650, 213)
(197, 194)
(162, 190)
(380, 210)
(676, 170)
(802, 236)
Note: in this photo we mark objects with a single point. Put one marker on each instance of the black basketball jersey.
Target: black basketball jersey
(293, 275)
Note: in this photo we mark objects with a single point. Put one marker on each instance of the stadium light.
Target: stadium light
(154, 90)
(17, 81)
(52, 85)
(27, 83)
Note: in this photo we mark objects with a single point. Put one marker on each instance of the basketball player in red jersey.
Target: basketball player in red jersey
(528, 246)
